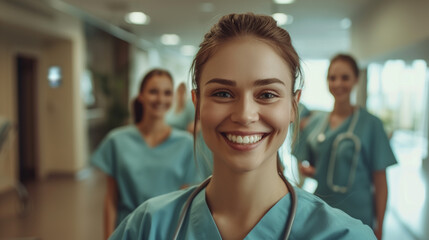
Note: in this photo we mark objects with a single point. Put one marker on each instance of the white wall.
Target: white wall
(390, 25)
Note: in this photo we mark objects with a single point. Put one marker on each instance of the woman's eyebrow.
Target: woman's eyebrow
(259, 82)
(267, 81)
(222, 81)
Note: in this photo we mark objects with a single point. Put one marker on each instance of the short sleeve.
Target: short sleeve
(381, 153)
(103, 158)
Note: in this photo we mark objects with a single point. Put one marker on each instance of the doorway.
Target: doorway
(26, 74)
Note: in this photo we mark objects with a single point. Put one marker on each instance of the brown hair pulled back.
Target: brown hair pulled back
(348, 59)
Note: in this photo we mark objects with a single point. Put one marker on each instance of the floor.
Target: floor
(66, 208)
(70, 208)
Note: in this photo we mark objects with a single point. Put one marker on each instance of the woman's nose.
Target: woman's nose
(245, 111)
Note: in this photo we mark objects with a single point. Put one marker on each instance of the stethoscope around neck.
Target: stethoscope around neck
(289, 222)
(348, 135)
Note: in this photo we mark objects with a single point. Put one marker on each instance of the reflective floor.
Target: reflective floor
(69, 208)
(65, 208)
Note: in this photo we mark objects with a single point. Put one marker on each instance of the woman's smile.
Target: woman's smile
(243, 141)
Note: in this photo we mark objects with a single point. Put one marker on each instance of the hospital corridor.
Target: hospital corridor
(122, 117)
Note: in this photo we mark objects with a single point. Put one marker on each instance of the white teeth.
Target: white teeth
(244, 139)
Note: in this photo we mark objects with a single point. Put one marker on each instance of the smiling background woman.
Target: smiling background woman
(145, 159)
(356, 183)
(245, 96)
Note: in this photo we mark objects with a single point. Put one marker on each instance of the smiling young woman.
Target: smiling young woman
(145, 159)
(245, 94)
(349, 151)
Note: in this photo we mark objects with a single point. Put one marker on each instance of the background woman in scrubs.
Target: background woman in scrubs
(182, 115)
(147, 158)
(366, 197)
(246, 96)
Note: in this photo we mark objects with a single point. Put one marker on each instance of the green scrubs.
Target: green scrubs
(141, 171)
(375, 155)
(158, 218)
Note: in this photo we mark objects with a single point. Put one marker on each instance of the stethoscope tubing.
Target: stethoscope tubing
(348, 135)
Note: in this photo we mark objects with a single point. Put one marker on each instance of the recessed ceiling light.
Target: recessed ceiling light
(170, 39)
(188, 50)
(137, 18)
(345, 23)
(282, 19)
(284, 1)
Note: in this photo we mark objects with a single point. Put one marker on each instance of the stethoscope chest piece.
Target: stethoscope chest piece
(321, 137)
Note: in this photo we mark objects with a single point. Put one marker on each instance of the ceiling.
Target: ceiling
(316, 30)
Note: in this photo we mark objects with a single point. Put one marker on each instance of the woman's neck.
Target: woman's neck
(343, 109)
(154, 131)
(238, 201)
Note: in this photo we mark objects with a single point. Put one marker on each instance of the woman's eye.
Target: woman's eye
(222, 94)
(267, 95)
(153, 91)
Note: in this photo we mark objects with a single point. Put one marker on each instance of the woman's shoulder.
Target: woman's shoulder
(325, 221)
(369, 119)
(122, 131)
(155, 218)
(180, 135)
(367, 115)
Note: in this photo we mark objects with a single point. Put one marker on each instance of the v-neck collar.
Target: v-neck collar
(140, 136)
(328, 131)
(204, 226)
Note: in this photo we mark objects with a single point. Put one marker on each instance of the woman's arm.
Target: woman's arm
(380, 192)
(110, 207)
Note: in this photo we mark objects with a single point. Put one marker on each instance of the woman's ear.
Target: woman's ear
(297, 96)
(195, 101)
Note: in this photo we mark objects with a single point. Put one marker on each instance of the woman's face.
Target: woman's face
(245, 103)
(341, 80)
(157, 96)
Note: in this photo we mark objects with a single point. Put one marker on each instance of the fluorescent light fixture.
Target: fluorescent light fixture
(188, 50)
(137, 18)
(282, 19)
(284, 1)
(345, 23)
(170, 39)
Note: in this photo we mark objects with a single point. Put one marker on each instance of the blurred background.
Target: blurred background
(70, 68)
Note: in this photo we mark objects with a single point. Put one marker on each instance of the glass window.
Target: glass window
(397, 94)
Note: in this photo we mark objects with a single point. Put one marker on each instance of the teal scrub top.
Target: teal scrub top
(375, 155)
(142, 172)
(158, 218)
(182, 119)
